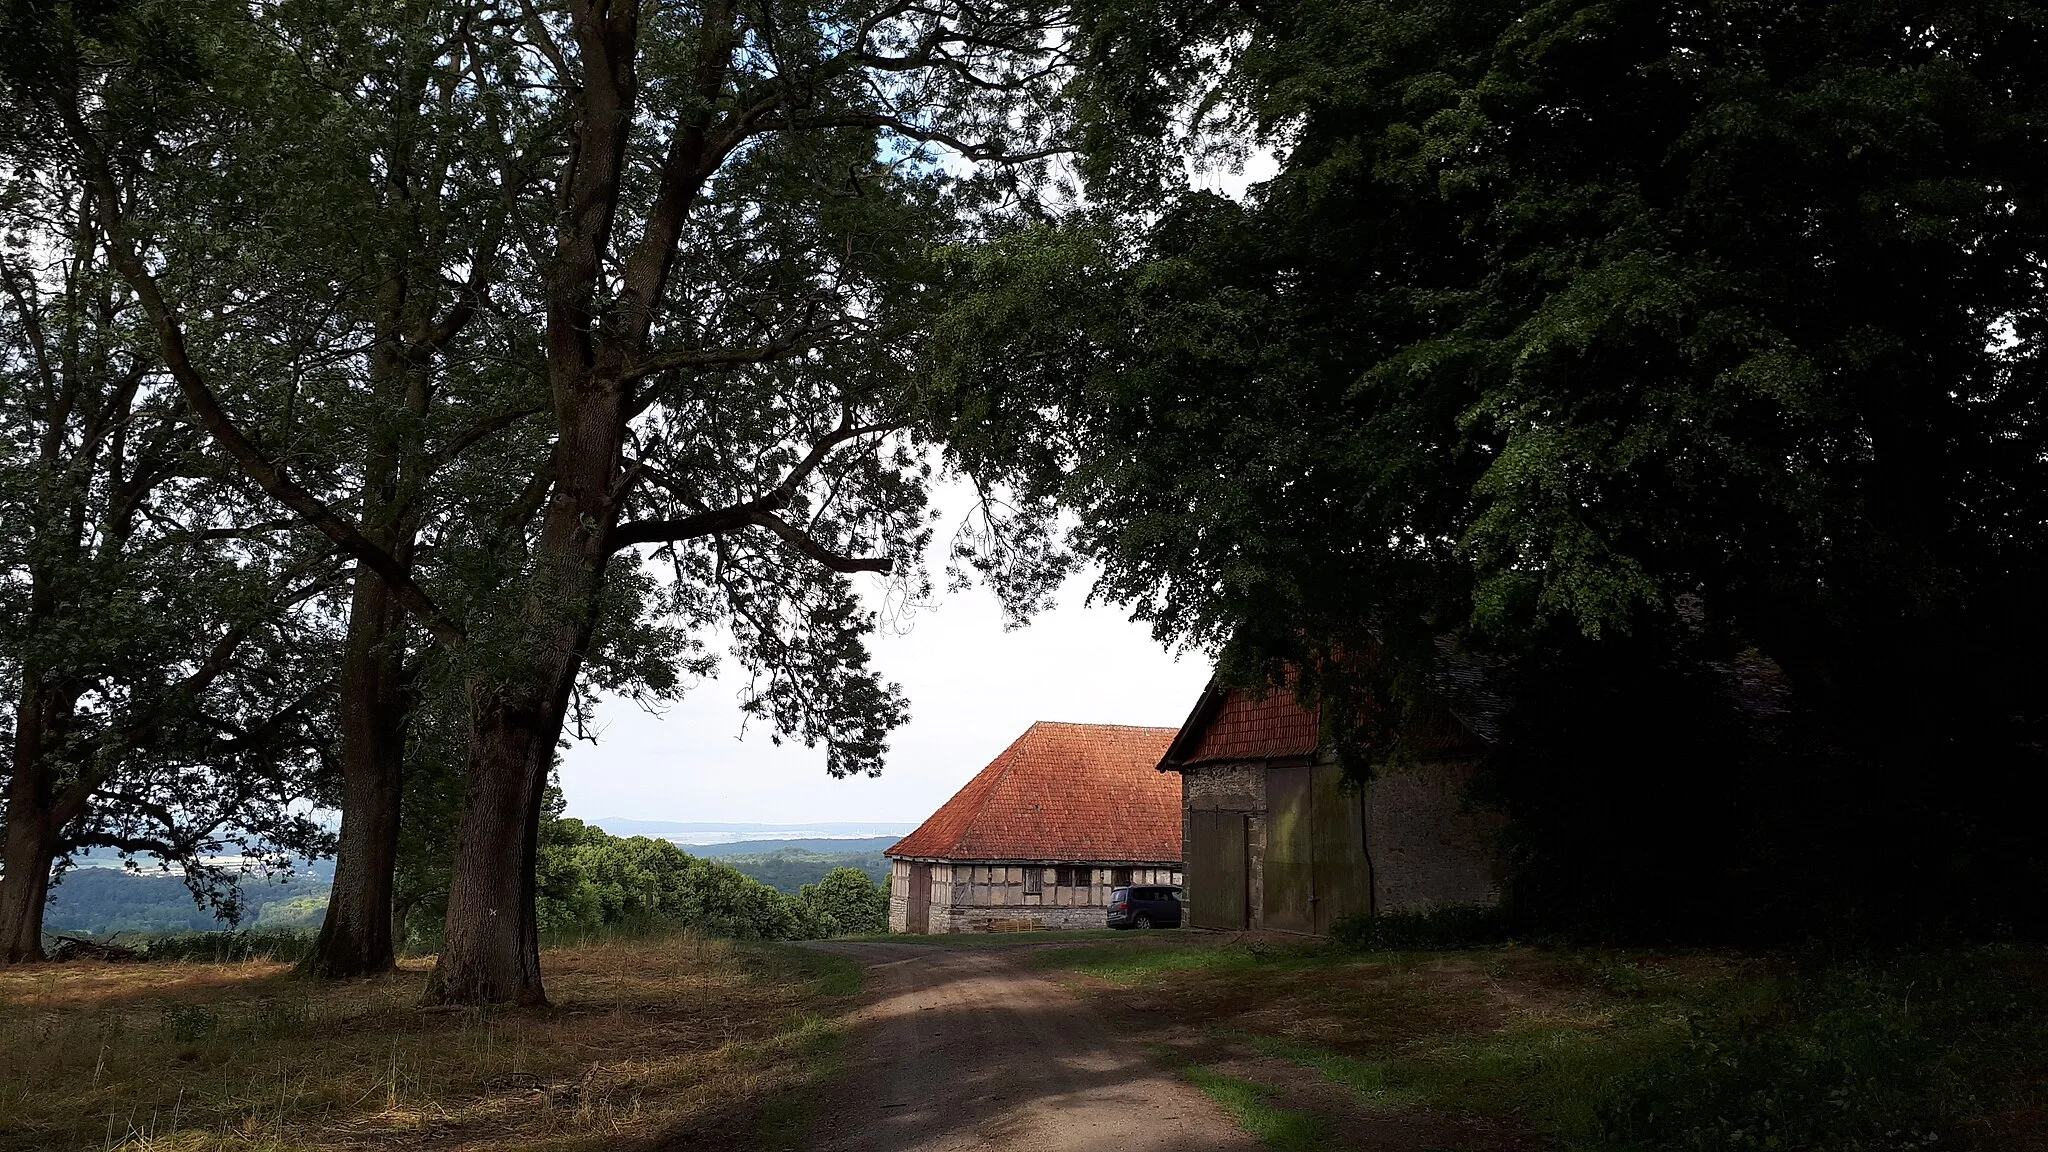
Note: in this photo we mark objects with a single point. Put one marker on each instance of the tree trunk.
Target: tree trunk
(490, 953)
(25, 889)
(30, 848)
(355, 939)
(490, 950)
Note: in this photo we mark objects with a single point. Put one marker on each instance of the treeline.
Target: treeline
(590, 880)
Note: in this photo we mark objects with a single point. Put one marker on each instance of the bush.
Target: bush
(846, 903)
(1449, 928)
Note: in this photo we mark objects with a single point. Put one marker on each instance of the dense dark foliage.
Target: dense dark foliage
(1676, 367)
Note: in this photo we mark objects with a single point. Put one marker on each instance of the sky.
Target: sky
(972, 687)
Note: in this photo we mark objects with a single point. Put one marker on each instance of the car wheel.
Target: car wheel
(1144, 922)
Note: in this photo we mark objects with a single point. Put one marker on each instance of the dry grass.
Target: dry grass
(677, 1039)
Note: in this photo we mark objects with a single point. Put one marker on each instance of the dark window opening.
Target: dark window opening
(1075, 877)
(1121, 877)
(1034, 881)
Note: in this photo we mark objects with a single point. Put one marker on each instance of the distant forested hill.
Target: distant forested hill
(98, 900)
(815, 844)
(788, 869)
(105, 900)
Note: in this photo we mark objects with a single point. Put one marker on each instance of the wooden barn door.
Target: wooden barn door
(918, 900)
(1216, 869)
(1290, 850)
(1343, 876)
(1316, 869)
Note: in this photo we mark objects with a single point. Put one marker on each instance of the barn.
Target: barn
(1038, 839)
(1275, 840)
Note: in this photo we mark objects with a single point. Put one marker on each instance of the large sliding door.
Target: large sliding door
(1316, 868)
(1290, 850)
(1343, 876)
(1216, 869)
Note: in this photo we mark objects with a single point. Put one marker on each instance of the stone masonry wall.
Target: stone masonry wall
(1428, 846)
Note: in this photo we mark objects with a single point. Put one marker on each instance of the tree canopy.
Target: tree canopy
(1585, 338)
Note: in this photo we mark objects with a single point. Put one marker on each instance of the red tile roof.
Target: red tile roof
(1072, 792)
(1236, 724)
(1246, 727)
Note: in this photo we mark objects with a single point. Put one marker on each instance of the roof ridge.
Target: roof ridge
(1093, 724)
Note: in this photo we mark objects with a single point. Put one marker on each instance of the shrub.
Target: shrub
(1452, 927)
(846, 902)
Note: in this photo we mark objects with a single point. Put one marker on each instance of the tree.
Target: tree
(1714, 325)
(738, 269)
(332, 197)
(168, 665)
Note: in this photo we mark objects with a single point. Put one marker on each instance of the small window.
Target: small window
(1034, 881)
(1121, 877)
(1076, 877)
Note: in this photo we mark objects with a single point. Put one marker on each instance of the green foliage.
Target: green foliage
(102, 901)
(1435, 929)
(591, 881)
(846, 902)
(1913, 1052)
(1582, 342)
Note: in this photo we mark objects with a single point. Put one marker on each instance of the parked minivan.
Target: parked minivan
(1145, 906)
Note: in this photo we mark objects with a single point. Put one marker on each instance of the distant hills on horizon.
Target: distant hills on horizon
(704, 836)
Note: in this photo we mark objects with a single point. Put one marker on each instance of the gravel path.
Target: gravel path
(963, 1048)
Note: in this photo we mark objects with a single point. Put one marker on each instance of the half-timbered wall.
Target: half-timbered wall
(993, 896)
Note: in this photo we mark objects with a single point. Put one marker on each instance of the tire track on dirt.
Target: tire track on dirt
(966, 1049)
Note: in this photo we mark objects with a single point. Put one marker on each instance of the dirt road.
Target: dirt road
(967, 1049)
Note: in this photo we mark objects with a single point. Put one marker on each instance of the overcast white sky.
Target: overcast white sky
(973, 688)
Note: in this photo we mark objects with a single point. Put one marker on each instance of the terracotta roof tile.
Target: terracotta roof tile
(1247, 727)
(1075, 792)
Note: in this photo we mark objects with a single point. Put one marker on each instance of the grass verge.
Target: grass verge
(672, 1039)
(1620, 1051)
(1280, 1129)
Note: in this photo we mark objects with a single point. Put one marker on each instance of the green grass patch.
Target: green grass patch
(1281, 1129)
(1369, 1080)
(1903, 1052)
(815, 1045)
(832, 974)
